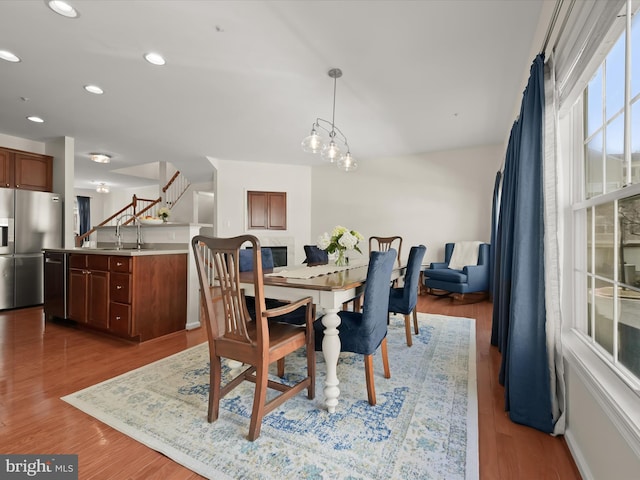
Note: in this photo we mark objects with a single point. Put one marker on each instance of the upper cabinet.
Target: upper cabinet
(26, 171)
(267, 210)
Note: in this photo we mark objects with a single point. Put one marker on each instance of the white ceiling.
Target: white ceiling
(244, 80)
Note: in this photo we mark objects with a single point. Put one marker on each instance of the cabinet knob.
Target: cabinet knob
(17, 186)
(118, 287)
(117, 317)
(119, 264)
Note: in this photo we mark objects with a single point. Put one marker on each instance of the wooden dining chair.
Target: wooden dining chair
(384, 244)
(233, 334)
(363, 332)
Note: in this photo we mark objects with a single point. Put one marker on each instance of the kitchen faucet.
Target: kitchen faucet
(136, 220)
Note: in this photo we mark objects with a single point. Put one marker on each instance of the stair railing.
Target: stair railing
(174, 189)
(138, 207)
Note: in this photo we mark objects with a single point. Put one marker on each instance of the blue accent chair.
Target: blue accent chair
(403, 300)
(363, 332)
(315, 255)
(472, 278)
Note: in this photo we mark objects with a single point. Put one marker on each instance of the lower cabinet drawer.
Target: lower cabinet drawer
(120, 319)
(120, 287)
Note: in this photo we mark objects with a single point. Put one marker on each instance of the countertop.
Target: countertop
(125, 252)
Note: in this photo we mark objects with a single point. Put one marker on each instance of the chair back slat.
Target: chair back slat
(384, 244)
(235, 316)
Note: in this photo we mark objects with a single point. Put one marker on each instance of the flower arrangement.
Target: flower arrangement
(340, 240)
(164, 213)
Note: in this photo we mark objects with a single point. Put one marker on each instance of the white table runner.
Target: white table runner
(306, 272)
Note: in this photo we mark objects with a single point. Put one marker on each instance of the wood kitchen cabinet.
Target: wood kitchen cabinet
(24, 170)
(267, 210)
(89, 289)
(135, 297)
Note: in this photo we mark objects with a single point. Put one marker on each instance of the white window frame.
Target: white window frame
(581, 207)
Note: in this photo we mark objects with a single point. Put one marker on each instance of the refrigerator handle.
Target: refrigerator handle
(4, 232)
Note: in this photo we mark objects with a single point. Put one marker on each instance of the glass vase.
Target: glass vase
(341, 259)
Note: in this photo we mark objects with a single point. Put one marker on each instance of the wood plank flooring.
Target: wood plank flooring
(43, 361)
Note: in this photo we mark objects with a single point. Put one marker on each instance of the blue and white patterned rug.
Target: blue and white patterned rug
(424, 425)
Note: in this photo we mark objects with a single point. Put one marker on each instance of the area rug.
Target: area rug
(423, 426)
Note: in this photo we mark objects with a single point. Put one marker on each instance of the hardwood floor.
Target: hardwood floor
(41, 362)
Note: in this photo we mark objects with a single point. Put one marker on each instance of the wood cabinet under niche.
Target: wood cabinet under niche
(25, 170)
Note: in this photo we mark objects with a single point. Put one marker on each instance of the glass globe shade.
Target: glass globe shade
(331, 152)
(348, 163)
(312, 143)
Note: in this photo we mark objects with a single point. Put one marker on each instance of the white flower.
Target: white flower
(348, 240)
(324, 241)
(164, 212)
(341, 239)
(337, 231)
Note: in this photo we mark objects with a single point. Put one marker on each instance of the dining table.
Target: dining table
(329, 286)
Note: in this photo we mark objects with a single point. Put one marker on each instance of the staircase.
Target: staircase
(140, 207)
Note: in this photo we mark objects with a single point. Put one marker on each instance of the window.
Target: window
(608, 211)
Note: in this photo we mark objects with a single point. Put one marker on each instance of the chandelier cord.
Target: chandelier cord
(333, 117)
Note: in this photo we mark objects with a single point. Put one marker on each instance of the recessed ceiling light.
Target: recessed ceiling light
(154, 58)
(62, 8)
(102, 188)
(100, 157)
(8, 56)
(94, 89)
(35, 119)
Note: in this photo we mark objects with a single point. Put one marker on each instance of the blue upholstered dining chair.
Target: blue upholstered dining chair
(315, 255)
(403, 300)
(246, 259)
(461, 279)
(297, 317)
(363, 332)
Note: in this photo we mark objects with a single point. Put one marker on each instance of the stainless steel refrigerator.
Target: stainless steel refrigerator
(29, 222)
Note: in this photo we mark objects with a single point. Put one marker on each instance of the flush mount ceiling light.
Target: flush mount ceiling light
(35, 119)
(330, 150)
(100, 157)
(102, 188)
(94, 89)
(62, 8)
(8, 56)
(154, 58)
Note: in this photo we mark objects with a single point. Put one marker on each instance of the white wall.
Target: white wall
(23, 144)
(236, 178)
(427, 199)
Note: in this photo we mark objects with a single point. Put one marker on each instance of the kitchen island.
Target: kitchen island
(136, 294)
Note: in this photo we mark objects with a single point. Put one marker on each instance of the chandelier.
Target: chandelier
(332, 148)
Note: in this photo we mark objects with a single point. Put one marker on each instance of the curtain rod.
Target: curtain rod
(552, 23)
